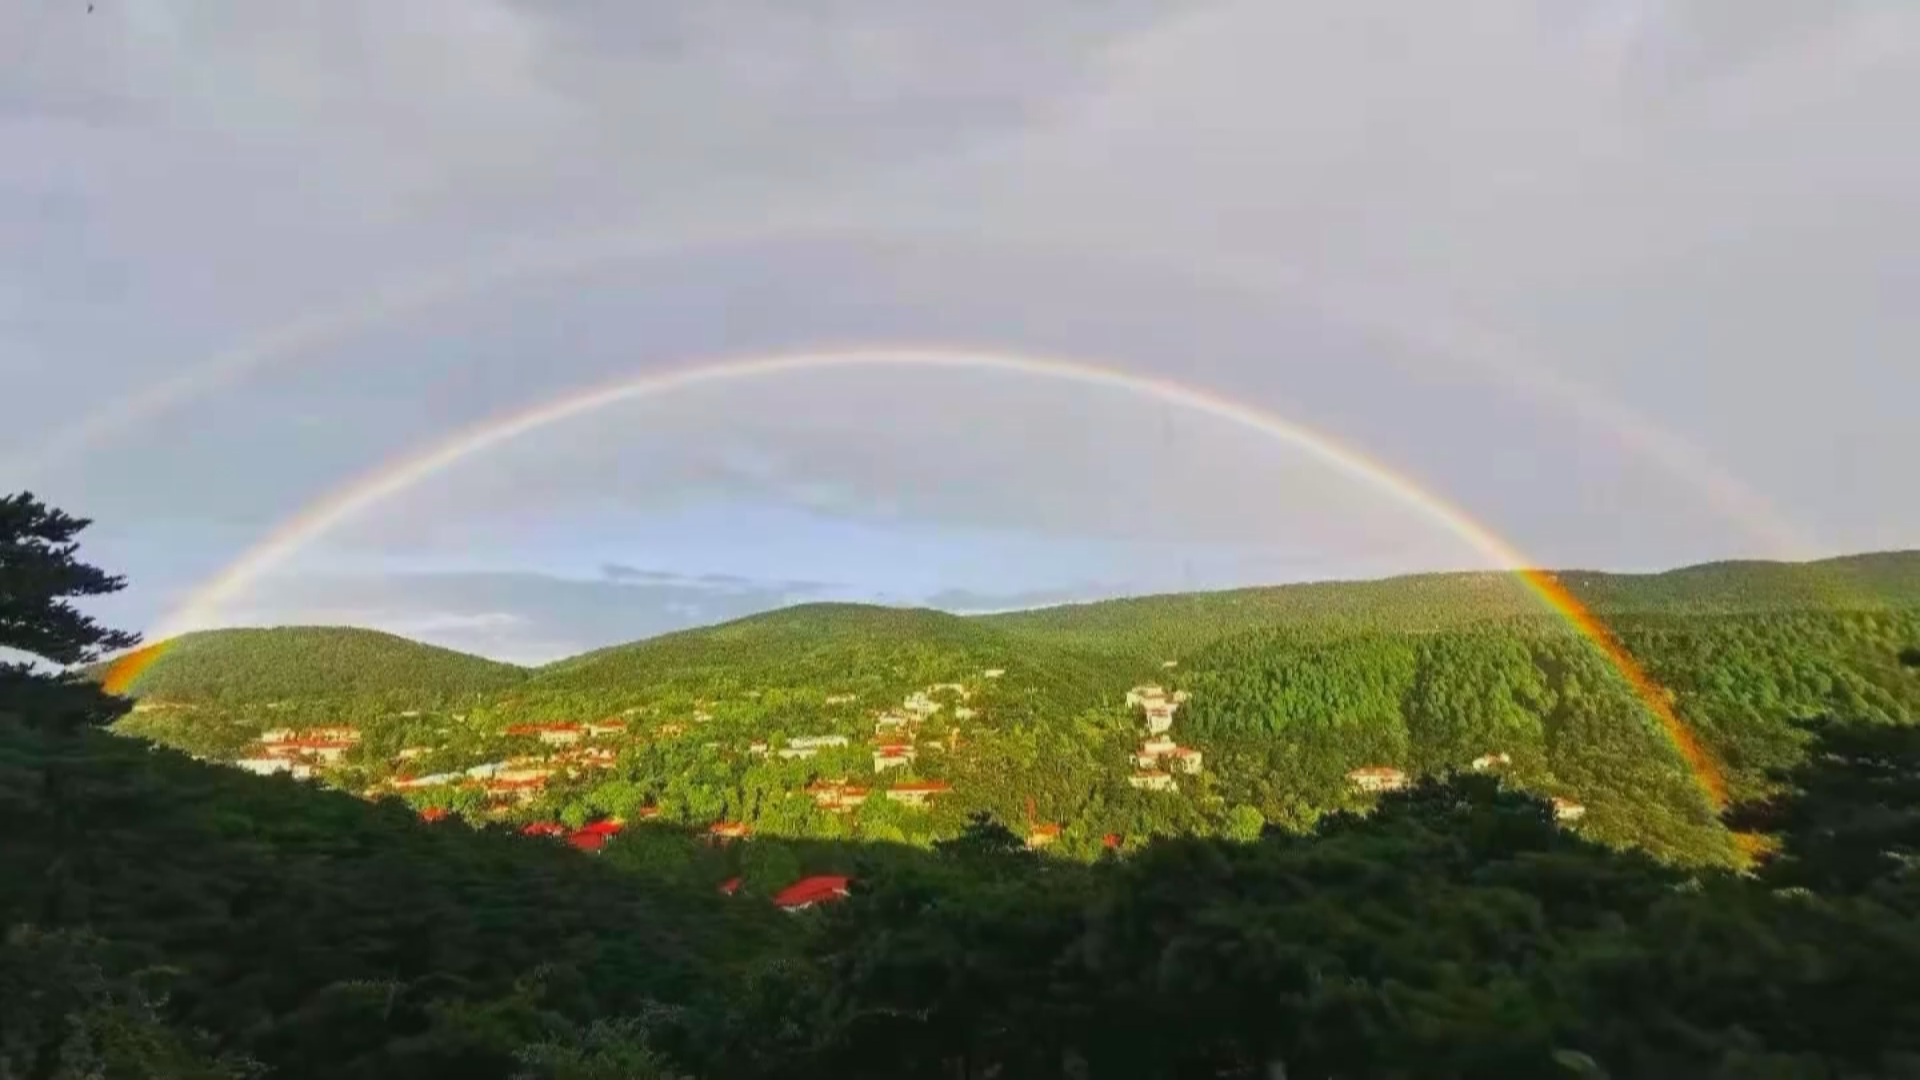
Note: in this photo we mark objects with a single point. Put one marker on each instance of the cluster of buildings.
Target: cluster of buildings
(1159, 756)
(1376, 779)
(299, 753)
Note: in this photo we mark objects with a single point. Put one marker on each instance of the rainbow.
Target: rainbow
(393, 478)
(1430, 335)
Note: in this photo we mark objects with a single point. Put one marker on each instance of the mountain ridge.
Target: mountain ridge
(209, 662)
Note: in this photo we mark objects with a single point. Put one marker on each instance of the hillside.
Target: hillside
(1174, 624)
(308, 662)
(875, 653)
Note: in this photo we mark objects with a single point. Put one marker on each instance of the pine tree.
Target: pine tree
(40, 575)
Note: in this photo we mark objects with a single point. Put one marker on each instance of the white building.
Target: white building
(1488, 761)
(1152, 780)
(815, 742)
(1567, 810)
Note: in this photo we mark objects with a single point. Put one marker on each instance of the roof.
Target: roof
(544, 828)
(923, 785)
(730, 886)
(730, 828)
(812, 890)
(433, 813)
(587, 841)
(604, 827)
(1046, 828)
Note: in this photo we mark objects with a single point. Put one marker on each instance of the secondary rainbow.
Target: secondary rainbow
(393, 478)
(549, 257)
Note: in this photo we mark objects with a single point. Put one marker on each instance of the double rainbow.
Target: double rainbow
(394, 477)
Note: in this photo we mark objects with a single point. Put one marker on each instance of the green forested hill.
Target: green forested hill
(1172, 625)
(296, 662)
(875, 653)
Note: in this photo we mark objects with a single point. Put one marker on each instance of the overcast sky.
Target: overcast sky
(1630, 283)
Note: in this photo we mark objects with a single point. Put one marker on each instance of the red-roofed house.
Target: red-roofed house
(730, 886)
(587, 841)
(433, 813)
(729, 830)
(597, 728)
(916, 792)
(649, 811)
(605, 826)
(1042, 834)
(1111, 840)
(552, 734)
(836, 797)
(544, 828)
(807, 892)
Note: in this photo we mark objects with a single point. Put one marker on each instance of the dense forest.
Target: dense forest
(1028, 911)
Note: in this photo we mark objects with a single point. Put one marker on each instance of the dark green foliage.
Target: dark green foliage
(1454, 932)
(40, 576)
(325, 935)
(1847, 816)
(306, 662)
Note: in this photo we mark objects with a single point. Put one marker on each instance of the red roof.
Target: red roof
(730, 828)
(535, 729)
(1112, 839)
(812, 890)
(649, 811)
(587, 841)
(544, 828)
(730, 886)
(606, 827)
(433, 813)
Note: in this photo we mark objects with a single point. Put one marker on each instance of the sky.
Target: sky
(1627, 283)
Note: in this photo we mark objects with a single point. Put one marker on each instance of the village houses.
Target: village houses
(1377, 778)
(268, 766)
(1488, 761)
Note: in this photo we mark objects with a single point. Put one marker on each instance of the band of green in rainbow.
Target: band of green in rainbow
(395, 477)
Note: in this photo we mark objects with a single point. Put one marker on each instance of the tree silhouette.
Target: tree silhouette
(39, 578)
